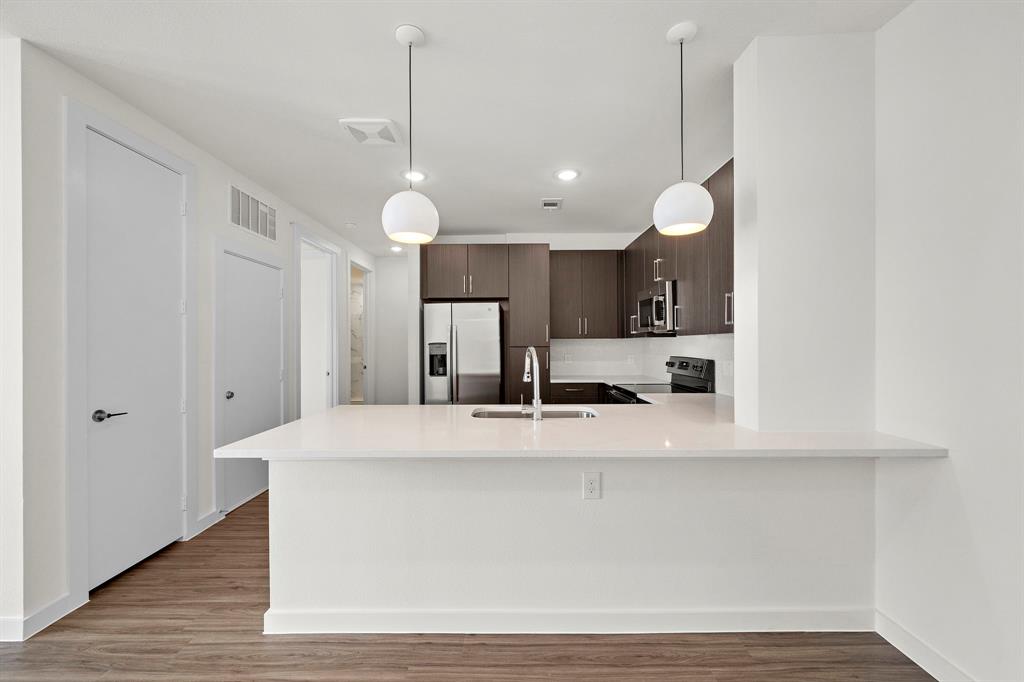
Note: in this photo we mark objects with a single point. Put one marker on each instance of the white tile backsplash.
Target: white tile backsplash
(644, 356)
(598, 357)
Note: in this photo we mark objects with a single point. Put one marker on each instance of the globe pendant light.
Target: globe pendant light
(410, 217)
(685, 207)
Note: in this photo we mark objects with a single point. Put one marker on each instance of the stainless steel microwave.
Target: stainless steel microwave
(655, 312)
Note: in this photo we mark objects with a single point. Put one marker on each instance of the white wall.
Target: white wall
(11, 346)
(45, 82)
(392, 343)
(804, 150)
(950, 336)
(671, 545)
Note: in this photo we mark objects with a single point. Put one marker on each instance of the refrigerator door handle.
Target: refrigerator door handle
(451, 366)
(455, 364)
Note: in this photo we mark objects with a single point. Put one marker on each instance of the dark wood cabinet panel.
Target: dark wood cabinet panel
(692, 297)
(518, 391)
(649, 243)
(566, 295)
(487, 270)
(600, 294)
(720, 251)
(575, 393)
(634, 282)
(445, 273)
(666, 269)
(529, 294)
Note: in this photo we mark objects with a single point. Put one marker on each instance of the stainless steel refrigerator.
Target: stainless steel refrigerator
(461, 353)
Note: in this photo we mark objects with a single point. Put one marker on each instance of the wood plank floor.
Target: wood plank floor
(195, 612)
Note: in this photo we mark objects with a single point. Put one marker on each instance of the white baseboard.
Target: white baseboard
(276, 621)
(13, 629)
(203, 523)
(933, 663)
(243, 501)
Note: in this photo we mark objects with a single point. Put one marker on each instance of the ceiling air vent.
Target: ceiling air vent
(371, 130)
(551, 204)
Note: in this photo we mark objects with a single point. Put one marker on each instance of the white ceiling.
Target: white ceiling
(505, 93)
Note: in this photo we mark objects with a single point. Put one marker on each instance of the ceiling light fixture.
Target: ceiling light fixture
(567, 174)
(408, 216)
(685, 207)
(414, 175)
(396, 249)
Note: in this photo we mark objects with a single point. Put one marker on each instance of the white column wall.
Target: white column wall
(950, 335)
(804, 150)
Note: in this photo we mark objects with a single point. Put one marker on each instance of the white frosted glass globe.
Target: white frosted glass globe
(410, 218)
(683, 208)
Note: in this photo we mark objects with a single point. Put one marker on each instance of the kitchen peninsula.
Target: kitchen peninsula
(427, 519)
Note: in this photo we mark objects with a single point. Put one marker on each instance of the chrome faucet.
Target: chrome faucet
(531, 374)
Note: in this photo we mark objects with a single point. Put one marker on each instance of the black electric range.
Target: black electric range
(686, 375)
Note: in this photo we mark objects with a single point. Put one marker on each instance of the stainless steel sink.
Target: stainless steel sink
(580, 413)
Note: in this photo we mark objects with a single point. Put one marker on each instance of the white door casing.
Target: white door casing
(304, 239)
(128, 348)
(249, 386)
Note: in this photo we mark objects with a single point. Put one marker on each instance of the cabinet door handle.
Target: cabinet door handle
(586, 326)
(547, 360)
(463, 284)
(573, 390)
(579, 326)
(675, 317)
(547, 333)
(471, 284)
(632, 327)
(728, 308)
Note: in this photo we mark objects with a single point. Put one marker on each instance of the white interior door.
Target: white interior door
(316, 320)
(250, 367)
(134, 356)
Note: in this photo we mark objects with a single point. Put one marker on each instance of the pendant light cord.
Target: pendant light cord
(410, 117)
(682, 175)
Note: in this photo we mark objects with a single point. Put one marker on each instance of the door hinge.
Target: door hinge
(183, 406)
(184, 503)
(182, 306)
(184, 208)
(282, 293)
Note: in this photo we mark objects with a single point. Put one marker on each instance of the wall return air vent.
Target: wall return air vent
(251, 214)
(376, 131)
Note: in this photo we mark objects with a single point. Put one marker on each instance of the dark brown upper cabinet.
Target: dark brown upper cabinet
(585, 294)
(720, 251)
(701, 264)
(692, 315)
(464, 271)
(529, 295)
(566, 295)
(602, 294)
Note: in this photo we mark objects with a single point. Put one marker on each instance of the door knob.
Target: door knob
(103, 415)
(229, 395)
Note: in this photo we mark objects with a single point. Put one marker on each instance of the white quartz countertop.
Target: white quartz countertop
(675, 426)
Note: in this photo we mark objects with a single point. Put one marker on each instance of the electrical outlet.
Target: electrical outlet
(591, 485)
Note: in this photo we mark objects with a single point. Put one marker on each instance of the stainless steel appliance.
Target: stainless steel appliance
(686, 375)
(461, 353)
(657, 312)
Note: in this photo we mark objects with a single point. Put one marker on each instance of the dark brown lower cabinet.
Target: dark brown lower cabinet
(575, 393)
(518, 391)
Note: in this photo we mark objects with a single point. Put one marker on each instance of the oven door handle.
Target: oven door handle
(621, 397)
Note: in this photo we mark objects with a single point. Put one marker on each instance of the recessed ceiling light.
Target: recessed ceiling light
(396, 249)
(567, 174)
(414, 176)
